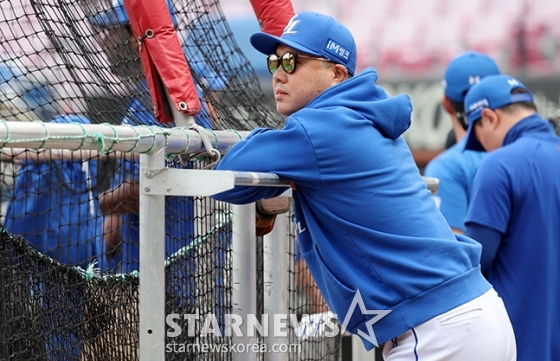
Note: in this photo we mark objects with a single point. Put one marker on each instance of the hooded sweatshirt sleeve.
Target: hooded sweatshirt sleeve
(287, 152)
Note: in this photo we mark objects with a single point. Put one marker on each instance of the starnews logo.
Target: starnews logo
(277, 325)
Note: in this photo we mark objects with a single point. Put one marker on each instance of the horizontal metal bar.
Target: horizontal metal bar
(123, 138)
(192, 182)
(195, 182)
(259, 179)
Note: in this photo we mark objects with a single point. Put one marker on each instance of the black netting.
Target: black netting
(58, 56)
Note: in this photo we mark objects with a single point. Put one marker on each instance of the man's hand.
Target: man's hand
(267, 210)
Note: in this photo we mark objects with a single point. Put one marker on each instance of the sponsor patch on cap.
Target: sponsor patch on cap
(337, 50)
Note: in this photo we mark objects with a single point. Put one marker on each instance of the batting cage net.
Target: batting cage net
(69, 244)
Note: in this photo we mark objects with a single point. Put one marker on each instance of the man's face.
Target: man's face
(486, 131)
(294, 91)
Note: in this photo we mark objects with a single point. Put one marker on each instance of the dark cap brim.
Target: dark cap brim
(472, 143)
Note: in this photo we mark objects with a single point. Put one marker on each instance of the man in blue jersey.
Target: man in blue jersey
(514, 209)
(120, 203)
(55, 205)
(455, 167)
(367, 225)
(55, 208)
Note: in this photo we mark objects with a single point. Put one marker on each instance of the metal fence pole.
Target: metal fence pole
(244, 285)
(152, 255)
(276, 283)
(359, 352)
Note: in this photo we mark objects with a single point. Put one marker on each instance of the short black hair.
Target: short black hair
(459, 109)
(525, 105)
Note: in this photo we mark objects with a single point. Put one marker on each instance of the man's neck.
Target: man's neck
(458, 129)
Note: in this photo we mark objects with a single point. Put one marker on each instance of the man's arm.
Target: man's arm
(111, 231)
(308, 286)
(490, 208)
(452, 192)
(287, 152)
(490, 240)
(124, 198)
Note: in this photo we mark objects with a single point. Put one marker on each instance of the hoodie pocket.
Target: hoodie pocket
(339, 295)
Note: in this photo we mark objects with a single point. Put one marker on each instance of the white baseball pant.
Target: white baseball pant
(477, 330)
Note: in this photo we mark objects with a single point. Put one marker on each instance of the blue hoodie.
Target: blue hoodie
(365, 219)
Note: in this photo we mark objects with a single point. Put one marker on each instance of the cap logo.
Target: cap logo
(474, 79)
(289, 29)
(513, 82)
(338, 50)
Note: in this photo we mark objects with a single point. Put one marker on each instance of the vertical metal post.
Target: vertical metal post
(179, 118)
(152, 255)
(244, 285)
(276, 283)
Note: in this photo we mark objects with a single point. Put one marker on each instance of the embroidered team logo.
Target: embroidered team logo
(474, 79)
(290, 28)
(513, 82)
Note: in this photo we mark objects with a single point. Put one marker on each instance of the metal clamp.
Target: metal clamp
(209, 149)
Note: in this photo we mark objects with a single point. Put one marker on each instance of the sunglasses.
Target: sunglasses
(288, 61)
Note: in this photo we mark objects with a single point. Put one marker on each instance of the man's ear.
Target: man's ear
(340, 73)
(446, 103)
(490, 117)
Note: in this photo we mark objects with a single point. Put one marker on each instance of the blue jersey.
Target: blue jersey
(55, 207)
(517, 192)
(455, 169)
(365, 219)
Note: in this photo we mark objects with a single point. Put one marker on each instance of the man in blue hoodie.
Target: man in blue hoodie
(368, 228)
(514, 209)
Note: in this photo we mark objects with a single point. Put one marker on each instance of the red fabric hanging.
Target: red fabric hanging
(163, 59)
(273, 15)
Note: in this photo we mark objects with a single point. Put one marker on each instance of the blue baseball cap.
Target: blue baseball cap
(314, 34)
(492, 92)
(464, 71)
(117, 15)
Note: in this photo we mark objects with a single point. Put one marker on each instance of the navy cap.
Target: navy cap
(464, 71)
(492, 92)
(314, 34)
